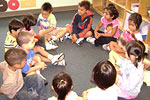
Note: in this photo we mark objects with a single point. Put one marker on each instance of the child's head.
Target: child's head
(15, 56)
(135, 51)
(26, 40)
(15, 26)
(135, 21)
(46, 9)
(62, 85)
(111, 12)
(104, 74)
(29, 21)
(83, 6)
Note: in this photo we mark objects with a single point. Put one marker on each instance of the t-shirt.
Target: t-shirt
(10, 42)
(31, 31)
(114, 23)
(138, 36)
(46, 23)
(12, 80)
(128, 37)
(28, 64)
(99, 94)
(71, 96)
(131, 77)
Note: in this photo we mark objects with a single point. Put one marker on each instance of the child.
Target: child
(27, 41)
(47, 26)
(132, 33)
(81, 26)
(32, 87)
(104, 76)
(29, 21)
(110, 18)
(15, 26)
(62, 85)
(131, 70)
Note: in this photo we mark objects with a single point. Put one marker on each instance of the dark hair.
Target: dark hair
(112, 11)
(28, 21)
(62, 84)
(122, 40)
(135, 48)
(104, 74)
(47, 7)
(15, 56)
(85, 4)
(15, 24)
(136, 18)
(23, 38)
(143, 48)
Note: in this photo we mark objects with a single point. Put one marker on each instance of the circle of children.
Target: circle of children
(122, 75)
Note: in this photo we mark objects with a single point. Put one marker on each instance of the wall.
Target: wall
(19, 5)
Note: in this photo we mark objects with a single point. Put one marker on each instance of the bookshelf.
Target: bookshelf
(125, 8)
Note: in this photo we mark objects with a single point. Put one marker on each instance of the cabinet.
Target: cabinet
(125, 8)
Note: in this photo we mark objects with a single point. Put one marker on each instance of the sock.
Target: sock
(38, 72)
(47, 44)
(50, 57)
(92, 40)
(54, 38)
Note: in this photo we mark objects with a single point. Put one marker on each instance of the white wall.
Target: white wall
(36, 4)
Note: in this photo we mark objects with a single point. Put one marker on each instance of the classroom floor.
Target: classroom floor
(80, 59)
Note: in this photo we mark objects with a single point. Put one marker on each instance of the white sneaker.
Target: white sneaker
(91, 40)
(106, 47)
(52, 42)
(79, 41)
(57, 58)
(50, 46)
(54, 38)
(61, 63)
(68, 36)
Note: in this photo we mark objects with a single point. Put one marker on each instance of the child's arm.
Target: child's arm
(1, 92)
(46, 31)
(42, 65)
(114, 30)
(87, 27)
(97, 28)
(84, 94)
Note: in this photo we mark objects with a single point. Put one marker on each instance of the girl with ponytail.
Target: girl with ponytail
(62, 85)
(130, 70)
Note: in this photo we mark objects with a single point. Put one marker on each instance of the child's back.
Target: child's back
(62, 85)
(104, 76)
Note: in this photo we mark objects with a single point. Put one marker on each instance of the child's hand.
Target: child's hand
(43, 65)
(99, 35)
(74, 38)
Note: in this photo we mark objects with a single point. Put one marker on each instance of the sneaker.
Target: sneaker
(68, 36)
(90, 40)
(61, 63)
(52, 42)
(106, 47)
(61, 39)
(79, 41)
(45, 82)
(54, 38)
(50, 46)
(57, 58)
